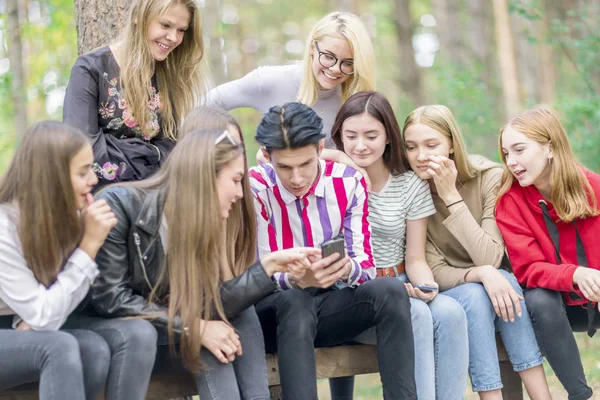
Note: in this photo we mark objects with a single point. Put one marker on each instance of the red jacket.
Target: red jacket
(530, 248)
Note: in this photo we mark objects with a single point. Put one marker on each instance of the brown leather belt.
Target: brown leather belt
(391, 271)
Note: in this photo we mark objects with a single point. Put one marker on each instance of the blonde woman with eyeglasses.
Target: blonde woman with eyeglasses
(338, 62)
(130, 97)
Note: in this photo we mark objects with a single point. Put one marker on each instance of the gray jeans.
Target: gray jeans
(71, 364)
(218, 380)
(132, 346)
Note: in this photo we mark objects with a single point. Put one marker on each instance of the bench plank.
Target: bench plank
(332, 362)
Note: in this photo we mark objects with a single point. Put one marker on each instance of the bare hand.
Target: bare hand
(501, 293)
(345, 159)
(421, 295)
(221, 340)
(295, 261)
(324, 272)
(588, 280)
(444, 174)
(23, 326)
(99, 220)
(260, 157)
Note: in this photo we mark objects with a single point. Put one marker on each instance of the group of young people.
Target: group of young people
(190, 260)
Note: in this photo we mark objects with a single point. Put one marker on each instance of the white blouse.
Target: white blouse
(44, 309)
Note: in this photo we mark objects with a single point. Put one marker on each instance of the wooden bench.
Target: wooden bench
(331, 363)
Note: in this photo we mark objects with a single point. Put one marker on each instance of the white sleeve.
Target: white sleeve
(44, 309)
(248, 91)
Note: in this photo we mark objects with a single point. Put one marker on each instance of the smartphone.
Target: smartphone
(335, 245)
(426, 289)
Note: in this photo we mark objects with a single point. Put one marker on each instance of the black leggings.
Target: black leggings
(554, 323)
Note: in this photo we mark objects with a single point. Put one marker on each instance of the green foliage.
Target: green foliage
(474, 104)
(7, 147)
(574, 38)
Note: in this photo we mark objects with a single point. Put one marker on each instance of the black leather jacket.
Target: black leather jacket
(131, 256)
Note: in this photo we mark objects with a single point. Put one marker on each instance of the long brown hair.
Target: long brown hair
(376, 105)
(572, 195)
(241, 224)
(440, 118)
(195, 236)
(38, 183)
(179, 78)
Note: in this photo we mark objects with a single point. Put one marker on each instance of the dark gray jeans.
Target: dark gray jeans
(296, 321)
(554, 323)
(70, 364)
(245, 378)
(132, 344)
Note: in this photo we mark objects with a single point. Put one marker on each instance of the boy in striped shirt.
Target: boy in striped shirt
(301, 200)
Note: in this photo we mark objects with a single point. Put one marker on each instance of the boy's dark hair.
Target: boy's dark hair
(291, 126)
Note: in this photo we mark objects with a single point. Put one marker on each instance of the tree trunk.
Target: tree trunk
(482, 38)
(15, 59)
(524, 31)
(506, 58)
(547, 60)
(449, 30)
(211, 28)
(99, 22)
(410, 75)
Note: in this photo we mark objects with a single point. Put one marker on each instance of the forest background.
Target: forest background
(485, 59)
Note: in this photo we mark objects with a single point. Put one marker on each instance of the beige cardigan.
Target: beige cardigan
(468, 238)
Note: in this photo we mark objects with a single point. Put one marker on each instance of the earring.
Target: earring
(550, 157)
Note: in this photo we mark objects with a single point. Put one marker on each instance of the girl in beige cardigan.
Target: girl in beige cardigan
(465, 250)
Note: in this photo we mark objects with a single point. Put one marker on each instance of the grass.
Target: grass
(368, 387)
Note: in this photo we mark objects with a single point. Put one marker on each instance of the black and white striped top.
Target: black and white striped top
(404, 197)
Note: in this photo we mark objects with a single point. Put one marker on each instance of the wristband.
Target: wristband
(451, 204)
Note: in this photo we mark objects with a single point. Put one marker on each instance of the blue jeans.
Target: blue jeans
(441, 349)
(70, 364)
(132, 344)
(244, 378)
(518, 337)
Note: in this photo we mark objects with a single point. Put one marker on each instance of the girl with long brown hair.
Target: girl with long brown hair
(50, 232)
(400, 204)
(130, 97)
(465, 251)
(169, 260)
(548, 214)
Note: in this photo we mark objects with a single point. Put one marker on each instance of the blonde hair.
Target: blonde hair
(572, 195)
(187, 183)
(178, 77)
(350, 27)
(38, 182)
(241, 223)
(440, 118)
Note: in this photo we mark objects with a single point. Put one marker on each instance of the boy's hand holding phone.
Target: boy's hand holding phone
(322, 273)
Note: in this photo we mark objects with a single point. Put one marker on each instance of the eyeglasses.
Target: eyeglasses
(223, 136)
(328, 60)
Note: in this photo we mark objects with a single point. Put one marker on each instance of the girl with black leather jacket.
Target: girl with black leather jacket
(176, 258)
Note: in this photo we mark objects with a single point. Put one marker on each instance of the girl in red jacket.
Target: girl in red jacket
(548, 212)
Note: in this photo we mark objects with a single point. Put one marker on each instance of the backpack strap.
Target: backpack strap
(581, 260)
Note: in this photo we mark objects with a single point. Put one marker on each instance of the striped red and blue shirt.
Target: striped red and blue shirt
(335, 204)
